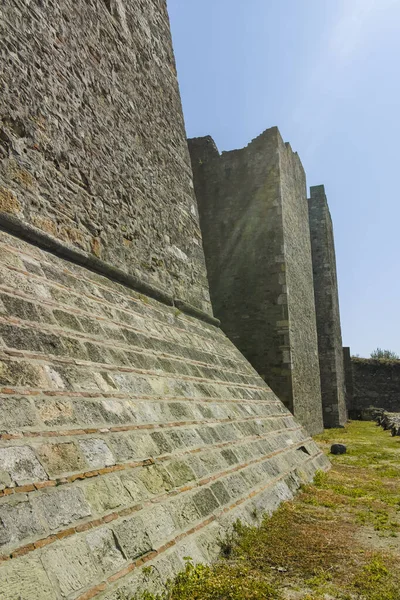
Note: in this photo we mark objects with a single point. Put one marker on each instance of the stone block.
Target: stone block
(22, 374)
(21, 464)
(20, 338)
(197, 465)
(104, 547)
(55, 411)
(156, 479)
(189, 549)
(88, 412)
(62, 507)
(122, 448)
(212, 461)
(180, 411)
(106, 493)
(19, 520)
(159, 524)
(149, 412)
(60, 458)
(143, 445)
(133, 483)
(252, 476)
(185, 439)
(132, 383)
(164, 447)
(220, 492)
(209, 542)
(180, 472)
(67, 320)
(205, 502)
(70, 565)
(236, 485)
(184, 511)
(229, 456)
(16, 412)
(25, 579)
(132, 537)
(116, 411)
(5, 480)
(96, 453)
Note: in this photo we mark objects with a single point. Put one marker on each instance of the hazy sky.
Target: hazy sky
(327, 72)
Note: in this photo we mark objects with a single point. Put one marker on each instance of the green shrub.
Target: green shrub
(384, 354)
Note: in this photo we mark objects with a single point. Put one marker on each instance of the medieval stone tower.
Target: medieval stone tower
(331, 359)
(254, 219)
(132, 431)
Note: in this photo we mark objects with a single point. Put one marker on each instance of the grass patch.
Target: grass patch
(222, 581)
(338, 539)
(378, 581)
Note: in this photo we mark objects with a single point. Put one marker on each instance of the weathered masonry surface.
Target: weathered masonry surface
(254, 220)
(132, 431)
(376, 383)
(327, 309)
(129, 433)
(92, 141)
(348, 378)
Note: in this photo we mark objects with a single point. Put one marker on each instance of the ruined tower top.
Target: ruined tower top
(317, 191)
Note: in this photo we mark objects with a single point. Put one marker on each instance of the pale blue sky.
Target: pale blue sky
(327, 73)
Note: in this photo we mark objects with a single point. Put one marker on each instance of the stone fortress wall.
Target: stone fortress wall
(371, 383)
(331, 361)
(130, 435)
(132, 430)
(348, 378)
(272, 287)
(93, 146)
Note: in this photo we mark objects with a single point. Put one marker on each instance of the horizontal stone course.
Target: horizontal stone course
(126, 448)
(96, 332)
(160, 482)
(98, 296)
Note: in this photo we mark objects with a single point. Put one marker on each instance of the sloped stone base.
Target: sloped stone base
(131, 434)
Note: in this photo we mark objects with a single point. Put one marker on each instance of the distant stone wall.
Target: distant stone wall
(377, 384)
(254, 221)
(327, 310)
(92, 139)
(348, 378)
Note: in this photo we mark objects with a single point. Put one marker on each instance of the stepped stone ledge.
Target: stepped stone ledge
(131, 434)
